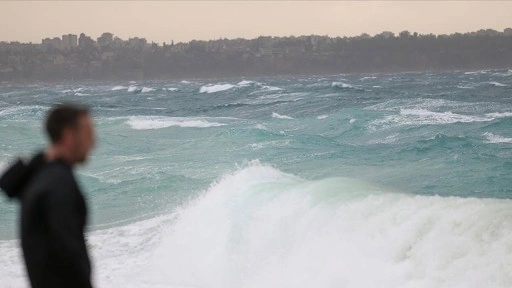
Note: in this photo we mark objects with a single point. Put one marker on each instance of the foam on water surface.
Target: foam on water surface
(214, 88)
(159, 122)
(279, 116)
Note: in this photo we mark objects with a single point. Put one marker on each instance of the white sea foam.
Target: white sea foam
(116, 88)
(476, 72)
(22, 112)
(497, 84)
(322, 117)
(73, 90)
(158, 122)
(269, 144)
(81, 94)
(246, 83)
(132, 88)
(261, 127)
(271, 88)
(260, 227)
(505, 74)
(147, 89)
(499, 115)
(386, 140)
(425, 117)
(214, 88)
(352, 120)
(492, 138)
(278, 116)
(436, 105)
(341, 85)
(172, 89)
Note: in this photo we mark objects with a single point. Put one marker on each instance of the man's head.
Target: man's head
(71, 131)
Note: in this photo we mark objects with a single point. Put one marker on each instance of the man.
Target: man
(53, 210)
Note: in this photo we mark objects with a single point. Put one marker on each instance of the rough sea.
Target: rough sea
(374, 180)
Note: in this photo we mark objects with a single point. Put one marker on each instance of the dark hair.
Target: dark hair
(61, 117)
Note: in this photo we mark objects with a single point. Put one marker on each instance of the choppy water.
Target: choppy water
(394, 180)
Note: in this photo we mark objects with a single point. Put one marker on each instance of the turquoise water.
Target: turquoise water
(253, 182)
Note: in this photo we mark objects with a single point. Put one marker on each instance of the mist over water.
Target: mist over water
(375, 180)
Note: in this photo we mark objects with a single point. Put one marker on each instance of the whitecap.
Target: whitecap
(158, 122)
(261, 127)
(499, 115)
(271, 88)
(387, 140)
(505, 74)
(278, 116)
(492, 138)
(276, 143)
(408, 117)
(147, 89)
(132, 88)
(245, 83)
(115, 88)
(22, 111)
(497, 84)
(476, 72)
(341, 85)
(214, 88)
(322, 117)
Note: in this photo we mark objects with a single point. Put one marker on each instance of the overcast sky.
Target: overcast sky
(163, 21)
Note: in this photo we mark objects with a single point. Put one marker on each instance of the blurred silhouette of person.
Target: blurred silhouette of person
(53, 209)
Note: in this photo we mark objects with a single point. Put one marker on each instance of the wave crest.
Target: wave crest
(260, 227)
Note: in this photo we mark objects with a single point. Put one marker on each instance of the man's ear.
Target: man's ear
(67, 135)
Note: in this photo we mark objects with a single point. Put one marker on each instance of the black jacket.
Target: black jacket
(53, 218)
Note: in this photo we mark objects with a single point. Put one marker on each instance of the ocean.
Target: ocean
(374, 180)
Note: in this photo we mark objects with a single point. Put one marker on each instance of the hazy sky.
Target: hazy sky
(163, 21)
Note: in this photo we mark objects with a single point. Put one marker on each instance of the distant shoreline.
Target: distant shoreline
(113, 59)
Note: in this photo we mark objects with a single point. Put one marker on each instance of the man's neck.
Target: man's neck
(55, 152)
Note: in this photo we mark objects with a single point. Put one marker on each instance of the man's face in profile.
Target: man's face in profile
(83, 138)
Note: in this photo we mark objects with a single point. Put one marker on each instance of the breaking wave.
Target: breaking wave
(260, 227)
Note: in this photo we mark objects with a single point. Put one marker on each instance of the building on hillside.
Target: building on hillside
(85, 42)
(69, 41)
(55, 42)
(105, 40)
